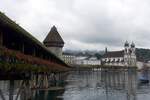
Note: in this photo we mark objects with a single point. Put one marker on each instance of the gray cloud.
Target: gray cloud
(84, 24)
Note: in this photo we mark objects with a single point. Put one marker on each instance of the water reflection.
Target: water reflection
(47, 95)
(114, 84)
(104, 84)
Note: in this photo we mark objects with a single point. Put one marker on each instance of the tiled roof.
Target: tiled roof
(53, 38)
(114, 54)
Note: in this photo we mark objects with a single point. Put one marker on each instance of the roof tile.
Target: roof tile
(53, 37)
(114, 54)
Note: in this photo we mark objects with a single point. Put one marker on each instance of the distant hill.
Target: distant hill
(143, 54)
(88, 53)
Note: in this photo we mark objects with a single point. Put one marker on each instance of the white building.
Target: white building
(83, 60)
(80, 60)
(69, 58)
(125, 57)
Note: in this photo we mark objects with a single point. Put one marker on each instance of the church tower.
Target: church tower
(129, 54)
(126, 53)
(132, 55)
(54, 42)
(132, 48)
(126, 46)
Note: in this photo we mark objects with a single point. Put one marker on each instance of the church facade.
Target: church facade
(125, 57)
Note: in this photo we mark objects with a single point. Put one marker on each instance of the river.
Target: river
(91, 85)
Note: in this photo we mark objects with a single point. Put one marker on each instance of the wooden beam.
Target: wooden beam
(1, 38)
(34, 51)
(20, 88)
(22, 47)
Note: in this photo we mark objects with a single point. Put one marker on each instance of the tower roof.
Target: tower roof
(132, 45)
(126, 44)
(53, 38)
(105, 49)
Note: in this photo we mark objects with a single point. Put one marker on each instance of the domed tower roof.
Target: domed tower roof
(105, 49)
(126, 44)
(132, 45)
(53, 39)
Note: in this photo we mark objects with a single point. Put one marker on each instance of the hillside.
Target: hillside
(143, 54)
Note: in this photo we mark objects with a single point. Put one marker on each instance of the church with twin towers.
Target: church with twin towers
(125, 57)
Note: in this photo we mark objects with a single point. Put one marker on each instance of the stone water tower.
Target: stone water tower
(54, 42)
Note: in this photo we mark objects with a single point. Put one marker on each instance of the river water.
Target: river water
(92, 85)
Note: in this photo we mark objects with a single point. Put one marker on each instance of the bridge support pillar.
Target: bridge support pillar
(33, 81)
(40, 81)
(45, 82)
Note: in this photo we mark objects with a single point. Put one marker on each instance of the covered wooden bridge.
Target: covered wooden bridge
(20, 52)
(23, 57)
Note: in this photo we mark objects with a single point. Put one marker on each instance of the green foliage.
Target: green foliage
(98, 55)
(143, 54)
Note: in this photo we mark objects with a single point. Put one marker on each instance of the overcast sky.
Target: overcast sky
(84, 24)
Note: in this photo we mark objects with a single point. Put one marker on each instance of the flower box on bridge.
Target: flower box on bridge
(10, 60)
